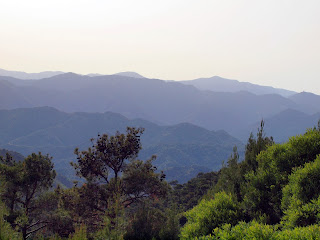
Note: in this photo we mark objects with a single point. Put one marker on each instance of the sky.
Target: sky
(271, 42)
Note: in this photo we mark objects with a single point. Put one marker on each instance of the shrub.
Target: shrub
(210, 214)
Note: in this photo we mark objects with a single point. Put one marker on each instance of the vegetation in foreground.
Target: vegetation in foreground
(273, 194)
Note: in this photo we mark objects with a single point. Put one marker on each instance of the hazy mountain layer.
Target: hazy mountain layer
(218, 84)
(285, 124)
(309, 102)
(151, 99)
(24, 75)
(183, 150)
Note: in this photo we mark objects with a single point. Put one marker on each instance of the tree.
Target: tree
(6, 231)
(301, 197)
(114, 175)
(24, 182)
(254, 147)
(108, 154)
(230, 177)
(264, 186)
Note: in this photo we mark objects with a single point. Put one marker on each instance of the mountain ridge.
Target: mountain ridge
(219, 84)
(180, 146)
(158, 101)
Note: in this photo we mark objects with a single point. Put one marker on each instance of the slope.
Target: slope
(182, 149)
(219, 84)
(154, 100)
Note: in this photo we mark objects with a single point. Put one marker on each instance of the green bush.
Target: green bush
(300, 233)
(254, 230)
(210, 214)
(263, 192)
(301, 197)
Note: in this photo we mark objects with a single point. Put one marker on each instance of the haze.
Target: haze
(274, 43)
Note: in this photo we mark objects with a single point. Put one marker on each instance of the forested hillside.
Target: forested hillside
(272, 194)
(182, 150)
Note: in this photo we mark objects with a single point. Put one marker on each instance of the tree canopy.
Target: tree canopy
(23, 184)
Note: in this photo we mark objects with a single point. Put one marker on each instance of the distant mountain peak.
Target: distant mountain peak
(219, 84)
(70, 74)
(130, 74)
(24, 75)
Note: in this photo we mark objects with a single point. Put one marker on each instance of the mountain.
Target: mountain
(130, 74)
(183, 149)
(284, 125)
(158, 101)
(219, 84)
(48, 74)
(308, 102)
(11, 96)
(216, 83)
(24, 75)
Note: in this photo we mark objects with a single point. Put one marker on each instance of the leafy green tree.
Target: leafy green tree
(255, 230)
(23, 185)
(232, 175)
(301, 197)
(264, 187)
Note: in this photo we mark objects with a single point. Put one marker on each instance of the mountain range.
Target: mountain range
(219, 84)
(158, 101)
(191, 126)
(183, 150)
(216, 83)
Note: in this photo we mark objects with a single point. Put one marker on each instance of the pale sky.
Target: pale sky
(267, 42)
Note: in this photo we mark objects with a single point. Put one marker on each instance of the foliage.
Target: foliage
(171, 228)
(24, 183)
(300, 233)
(114, 221)
(115, 177)
(80, 233)
(264, 187)
(254, 230)
(6, 231)
(108, 154)
(123, 197)
(254, 147)
(145, 223)
(230, 177)
(209, 214)
(242, 230)
(151, 221)
(187, 195)
(301, 197)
